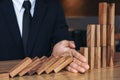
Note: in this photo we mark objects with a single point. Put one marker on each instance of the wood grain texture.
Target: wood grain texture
(55, 65)
(102, 18)
(46, 64)
(35, 61)
(111, 35)
(97, 36)
(103, 30)
(40, 63)
(91, 57)
(111, 13)
(111, 52)
(104, 57)
(97, 60)
(4, 76)
(91, 35)
(84, 52)
(67, 61)
(15, 70)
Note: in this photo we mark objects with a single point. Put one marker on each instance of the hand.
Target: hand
(79, 63)
(67, 48)
(63, 48)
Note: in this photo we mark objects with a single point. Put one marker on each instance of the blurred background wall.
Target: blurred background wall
(79, 13)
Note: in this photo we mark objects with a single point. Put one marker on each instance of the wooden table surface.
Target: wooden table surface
(95, 74)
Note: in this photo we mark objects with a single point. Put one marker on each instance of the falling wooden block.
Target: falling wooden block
(35, 62)
(15, 70)
(4, 76)
(103, 36)
(97, 60)
(67, 61)
(40, 63)
(111, 13)
(47, 64)
(91, 35)
(103, 56)
(111, 52)
(97, 36)
(111, 34)
(84, 52)
(102, 13)
(55, 65)
(91, 55)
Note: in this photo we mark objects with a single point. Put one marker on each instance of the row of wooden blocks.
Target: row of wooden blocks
(100, 38)
(38, 65)
(98, 57)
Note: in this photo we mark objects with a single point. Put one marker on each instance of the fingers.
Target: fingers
(72, 44)
(82, 64)
(77, 66)
(78, 56)
(69, 68)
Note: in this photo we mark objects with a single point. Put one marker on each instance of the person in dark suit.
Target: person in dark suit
(48, 32)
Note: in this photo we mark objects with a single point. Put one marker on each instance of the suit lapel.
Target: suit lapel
(8, 11)
(39, 14)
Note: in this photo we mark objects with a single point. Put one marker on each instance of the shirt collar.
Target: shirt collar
(19, 3)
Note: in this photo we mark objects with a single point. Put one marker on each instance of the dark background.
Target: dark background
(86, 7)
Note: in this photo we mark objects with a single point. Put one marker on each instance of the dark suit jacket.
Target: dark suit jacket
(47, 28)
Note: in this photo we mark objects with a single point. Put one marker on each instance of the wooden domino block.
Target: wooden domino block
(15, 70)
(103, 36)
(35, 62)
(102, 13)
(84, 52)
(91, 55)
(97, 60)
(55, 65)
(67, 61)
(111, 13)
(97, 36)
(111, 52)
(4, 76)
(103, 56)
(47, 64)
(111, 34)
(91, 35)
(35, 68)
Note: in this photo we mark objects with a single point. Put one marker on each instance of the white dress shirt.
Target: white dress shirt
(19, 10)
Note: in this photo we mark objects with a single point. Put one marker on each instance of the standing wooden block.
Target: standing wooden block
(84, 52)
(4, 76)
(111, 34)
(30, 66)
(15, 70)
(55, 65)
(91, 35)
(103, 30)
(91, 57)
(102, 13)
(47, 64)
(40, 63)
(111, 55)
(97, 57)
(111, 13)
(97, 36)
(67, 61)
(103, 56)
